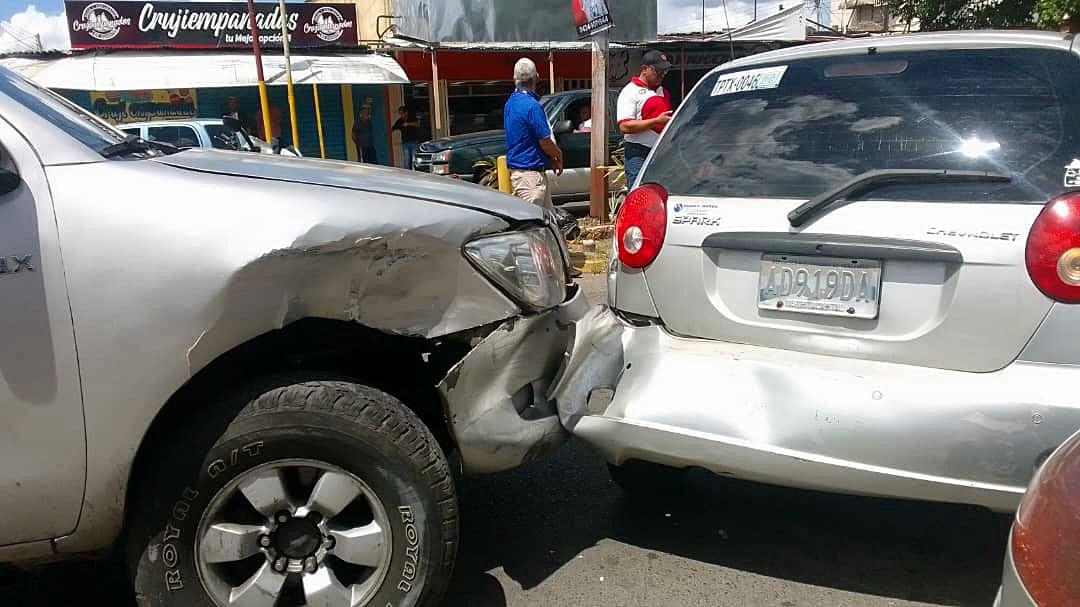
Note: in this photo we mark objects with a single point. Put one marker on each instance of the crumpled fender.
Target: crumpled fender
(595, 360)
(496, 398)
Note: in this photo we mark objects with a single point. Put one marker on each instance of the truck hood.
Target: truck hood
(445, 143)
(355, 176)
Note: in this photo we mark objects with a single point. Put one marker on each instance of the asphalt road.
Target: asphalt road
(560, 532)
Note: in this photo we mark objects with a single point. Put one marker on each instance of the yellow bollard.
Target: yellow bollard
(504, 176)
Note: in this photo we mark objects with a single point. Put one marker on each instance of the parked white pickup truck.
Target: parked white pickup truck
(203, 133)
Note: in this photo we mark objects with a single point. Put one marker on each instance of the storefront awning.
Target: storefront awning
(142, 70)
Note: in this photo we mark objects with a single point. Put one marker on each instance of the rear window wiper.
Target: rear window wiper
(875, 179)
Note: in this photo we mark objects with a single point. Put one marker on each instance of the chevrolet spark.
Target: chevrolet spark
(850, 267)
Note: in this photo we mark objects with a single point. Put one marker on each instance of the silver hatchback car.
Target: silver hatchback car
(851, 267)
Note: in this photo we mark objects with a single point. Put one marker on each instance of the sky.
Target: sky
(46, 17)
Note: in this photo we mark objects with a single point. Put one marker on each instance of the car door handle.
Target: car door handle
(835, 245)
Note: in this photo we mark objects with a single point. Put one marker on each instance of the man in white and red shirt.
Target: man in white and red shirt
(644, 108)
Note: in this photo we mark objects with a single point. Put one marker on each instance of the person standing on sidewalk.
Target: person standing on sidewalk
(644, 107)
(363, 136)
(409, 126)
(529, 143)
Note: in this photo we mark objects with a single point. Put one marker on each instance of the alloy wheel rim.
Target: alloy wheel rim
(294, 532)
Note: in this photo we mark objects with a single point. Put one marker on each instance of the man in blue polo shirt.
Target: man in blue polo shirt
(529, 145)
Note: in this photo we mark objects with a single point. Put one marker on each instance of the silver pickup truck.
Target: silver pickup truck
(244, 372)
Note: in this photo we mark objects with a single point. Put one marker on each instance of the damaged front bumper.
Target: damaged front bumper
(496, 398)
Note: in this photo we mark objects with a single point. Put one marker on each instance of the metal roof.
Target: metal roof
(169, 68)
(410, 44)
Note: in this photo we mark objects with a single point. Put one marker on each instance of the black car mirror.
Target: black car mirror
(563, 127)
(224, 141)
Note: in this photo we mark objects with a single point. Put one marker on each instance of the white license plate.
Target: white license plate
(820, 285)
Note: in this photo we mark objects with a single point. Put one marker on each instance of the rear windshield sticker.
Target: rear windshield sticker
(1072, 174)
(749, 80)
(696, 214)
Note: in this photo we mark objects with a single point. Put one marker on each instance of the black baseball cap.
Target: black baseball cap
(656, 60)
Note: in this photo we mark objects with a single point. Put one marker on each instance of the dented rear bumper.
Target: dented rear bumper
(496, 398)
(810, 421)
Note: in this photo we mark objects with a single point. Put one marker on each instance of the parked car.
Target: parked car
(245, 372)
(850, 267)
(1042, 558)
(456, 155)
(204, 133)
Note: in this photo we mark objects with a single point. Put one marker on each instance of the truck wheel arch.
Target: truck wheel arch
(311, 347)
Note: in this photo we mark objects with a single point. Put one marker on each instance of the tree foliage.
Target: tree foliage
(1053, 13)
(936, 15)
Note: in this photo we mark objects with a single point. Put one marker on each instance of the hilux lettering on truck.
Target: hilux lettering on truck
(16, 263)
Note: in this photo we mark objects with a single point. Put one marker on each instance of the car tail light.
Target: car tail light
(1053, 249)
(641, 225)
(1046, 532)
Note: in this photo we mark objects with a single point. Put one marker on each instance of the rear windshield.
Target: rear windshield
(798, 129)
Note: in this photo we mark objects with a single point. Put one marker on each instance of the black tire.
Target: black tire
(353, 427)
(647, 480)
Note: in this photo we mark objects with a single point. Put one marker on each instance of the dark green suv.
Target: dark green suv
(456, 155)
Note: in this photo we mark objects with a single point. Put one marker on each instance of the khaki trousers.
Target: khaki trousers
(532, 186)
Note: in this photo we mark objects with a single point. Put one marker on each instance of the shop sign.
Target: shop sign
(591, 17)
(119, 107)
(207, 25)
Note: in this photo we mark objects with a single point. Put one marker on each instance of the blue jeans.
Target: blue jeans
(410, 154)
(633, 161)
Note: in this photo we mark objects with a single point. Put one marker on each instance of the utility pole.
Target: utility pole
(264, 103)
(598, 139)
(288, 75)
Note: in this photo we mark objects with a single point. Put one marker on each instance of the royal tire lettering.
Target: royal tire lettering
(173, 581)
(412, 549)
(169, 555)
(216, 468)
(252, 449)
(171, 532)
(180, 510)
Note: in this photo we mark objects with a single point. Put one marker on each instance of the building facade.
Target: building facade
(867, 17)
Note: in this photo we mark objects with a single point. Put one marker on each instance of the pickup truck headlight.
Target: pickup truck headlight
(527, 265)
(440, 162)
